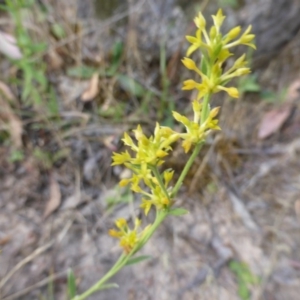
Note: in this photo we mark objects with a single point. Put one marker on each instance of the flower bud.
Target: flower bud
(233, 33)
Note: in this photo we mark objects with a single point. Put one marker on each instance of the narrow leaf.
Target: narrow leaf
(178, 212)
(71, 284)
(136, 260)
(131, 86)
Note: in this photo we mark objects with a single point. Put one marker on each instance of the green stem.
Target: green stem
(186, 169)
(97, 286)
(205, 109)
(204, 116)
(160, 181)
(161, 215)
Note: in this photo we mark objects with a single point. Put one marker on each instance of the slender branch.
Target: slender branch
(186, 169)
(160, 181)
(205, 109)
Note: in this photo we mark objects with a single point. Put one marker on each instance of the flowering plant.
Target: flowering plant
(147, 154)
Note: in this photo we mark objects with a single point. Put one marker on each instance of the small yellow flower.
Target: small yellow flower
(215, 51)
(196, 133)
(129, 238)
(168, 175)
(231, 91)
(120, 158)
(218, 19)
(158, 197)
(232, 34)
(200, 21)
(195, 41)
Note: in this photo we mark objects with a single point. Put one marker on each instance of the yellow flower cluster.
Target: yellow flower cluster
(128, 238)
(214, 49)
(195, 131)
(146, 155)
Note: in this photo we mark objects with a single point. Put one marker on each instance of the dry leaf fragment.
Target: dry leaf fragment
(8, 46)
(93, 89)
(297, 209)
(54, 197)
(273, 120)
(7, 115)
(55, 62)
(293, 92)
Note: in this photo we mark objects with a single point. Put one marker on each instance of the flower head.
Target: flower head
(195, 131)
(129, 238)
(215, 51)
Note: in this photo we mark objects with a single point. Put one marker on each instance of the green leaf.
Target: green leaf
(243, 292)
(249, 84)
(178, 212)
(117, 51)
(58, 31)
(130, 85)
(52, 104)
(16, 155)
(230, 3)
(118, 195)
(83, 72)
(203, 65)
(245, 278)
(71, 284)
(136, 260)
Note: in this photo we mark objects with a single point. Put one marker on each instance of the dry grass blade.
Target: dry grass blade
(54, 199)
(35, 286)
(24, 262)
(8, 116)
(93, 89)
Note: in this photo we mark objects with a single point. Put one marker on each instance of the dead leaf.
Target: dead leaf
(109, 143)
(8, 46)
(297, 209)
(7, 93)
(6, 239)
(54, 198)
(55, 62)
(273, 120)
(75, 199)
(293, 92)
(93, 89)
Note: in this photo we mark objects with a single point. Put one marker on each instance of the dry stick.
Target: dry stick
(197, 177)
(24, 262)
(34, 254)
(105, 24)
(35, 286)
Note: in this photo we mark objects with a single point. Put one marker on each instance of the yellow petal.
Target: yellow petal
(200, 21)
(124, 182)
(120, 223)
(189, 63)
(189, 84)
(218, 19)
(114, 233)
(168, 175)
(233, 33)
(146, 206)
(231, 91)
(191, 49)
(186, 145)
